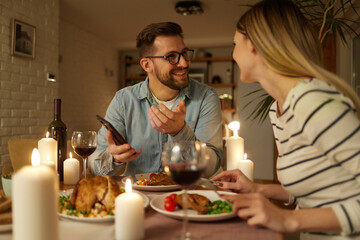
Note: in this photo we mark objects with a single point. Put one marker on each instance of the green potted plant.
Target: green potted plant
(331, 17)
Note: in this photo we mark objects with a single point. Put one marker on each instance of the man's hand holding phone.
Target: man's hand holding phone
(121, 153)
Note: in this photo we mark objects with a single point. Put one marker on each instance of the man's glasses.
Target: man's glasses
(174, 57)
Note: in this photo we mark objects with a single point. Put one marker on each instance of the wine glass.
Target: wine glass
(84, 144)
(184, 162)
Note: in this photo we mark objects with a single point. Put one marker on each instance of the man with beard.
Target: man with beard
(167, 106)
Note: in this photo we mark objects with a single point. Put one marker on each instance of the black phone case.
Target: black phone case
(118, 138)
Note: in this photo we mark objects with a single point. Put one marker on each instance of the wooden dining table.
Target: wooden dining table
(160, 227)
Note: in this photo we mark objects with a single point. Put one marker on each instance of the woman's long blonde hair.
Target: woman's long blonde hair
(289, 43)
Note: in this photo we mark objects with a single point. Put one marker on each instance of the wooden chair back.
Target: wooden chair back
(20, 151)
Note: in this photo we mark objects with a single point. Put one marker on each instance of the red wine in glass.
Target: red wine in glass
(85, 151)
(84, 144)
(185, 174)
(184, 162)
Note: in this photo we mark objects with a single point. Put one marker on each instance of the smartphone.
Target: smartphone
(118, 138)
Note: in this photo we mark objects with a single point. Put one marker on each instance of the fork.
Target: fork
(207, 183)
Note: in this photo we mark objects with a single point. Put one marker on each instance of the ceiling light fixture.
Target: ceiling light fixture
(188, 8)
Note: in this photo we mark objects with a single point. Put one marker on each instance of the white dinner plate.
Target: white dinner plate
(96, 219)
(158, 205)
(5, 227)
(160, 188)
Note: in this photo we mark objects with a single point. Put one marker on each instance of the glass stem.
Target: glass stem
(185, 234)
(84, 166)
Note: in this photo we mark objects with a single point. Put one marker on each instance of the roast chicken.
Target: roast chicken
(195, 201)
(88, 191)
(160, 179)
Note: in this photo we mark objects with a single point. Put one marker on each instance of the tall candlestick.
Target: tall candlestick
(48, 150)
(246, 166)
(234, 147)
(35, 202)
(71, 170)
(129, 215)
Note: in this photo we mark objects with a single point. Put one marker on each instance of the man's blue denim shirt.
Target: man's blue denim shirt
(128, 113)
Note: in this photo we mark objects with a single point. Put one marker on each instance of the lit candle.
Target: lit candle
(48, 150)
(246, 166)
(234, 147)
(35, 202)
(71, 170)
(129, 215)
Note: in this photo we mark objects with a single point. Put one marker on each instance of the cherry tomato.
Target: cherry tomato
(173, 196)
(153, 174)
(168, 199)
(169, 206)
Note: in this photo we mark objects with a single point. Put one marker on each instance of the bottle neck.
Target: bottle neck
(57, 109)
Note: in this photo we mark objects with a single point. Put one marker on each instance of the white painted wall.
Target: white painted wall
(88, 77)
(26, 96)
(258, 136)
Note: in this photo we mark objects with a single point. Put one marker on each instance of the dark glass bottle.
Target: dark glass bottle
(58, 131)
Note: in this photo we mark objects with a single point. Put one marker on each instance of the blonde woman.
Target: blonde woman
(316, 125)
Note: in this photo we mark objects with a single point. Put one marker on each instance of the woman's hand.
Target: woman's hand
(257, 210)
(235, 181)
(121, 153)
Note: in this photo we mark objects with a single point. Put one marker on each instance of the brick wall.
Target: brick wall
(88, 77)
(25, 95)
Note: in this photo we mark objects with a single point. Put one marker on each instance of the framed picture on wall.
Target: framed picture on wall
(23, 39)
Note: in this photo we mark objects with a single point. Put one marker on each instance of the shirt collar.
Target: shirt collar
(146, 93)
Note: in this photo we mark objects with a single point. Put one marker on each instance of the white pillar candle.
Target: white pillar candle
(129, 215)
(234, 147)
(48, 150)
(35, 202)
(71, 170)
(49, 164)
(246, 166)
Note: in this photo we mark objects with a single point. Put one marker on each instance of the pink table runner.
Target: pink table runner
(160, 227)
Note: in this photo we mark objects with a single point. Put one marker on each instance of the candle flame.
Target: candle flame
(128, 186)
(245, 156)
(235, 126)
(70, 155)
(35, 157)
(47, 134)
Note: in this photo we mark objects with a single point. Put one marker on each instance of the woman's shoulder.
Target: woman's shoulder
(316, 96)
(311, 91)
(313, 87)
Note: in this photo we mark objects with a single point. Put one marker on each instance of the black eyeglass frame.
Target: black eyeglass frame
(178, 60)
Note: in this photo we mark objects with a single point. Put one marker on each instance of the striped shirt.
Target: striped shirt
(318, 140)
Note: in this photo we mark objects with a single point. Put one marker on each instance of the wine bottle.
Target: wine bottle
(58, 131)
